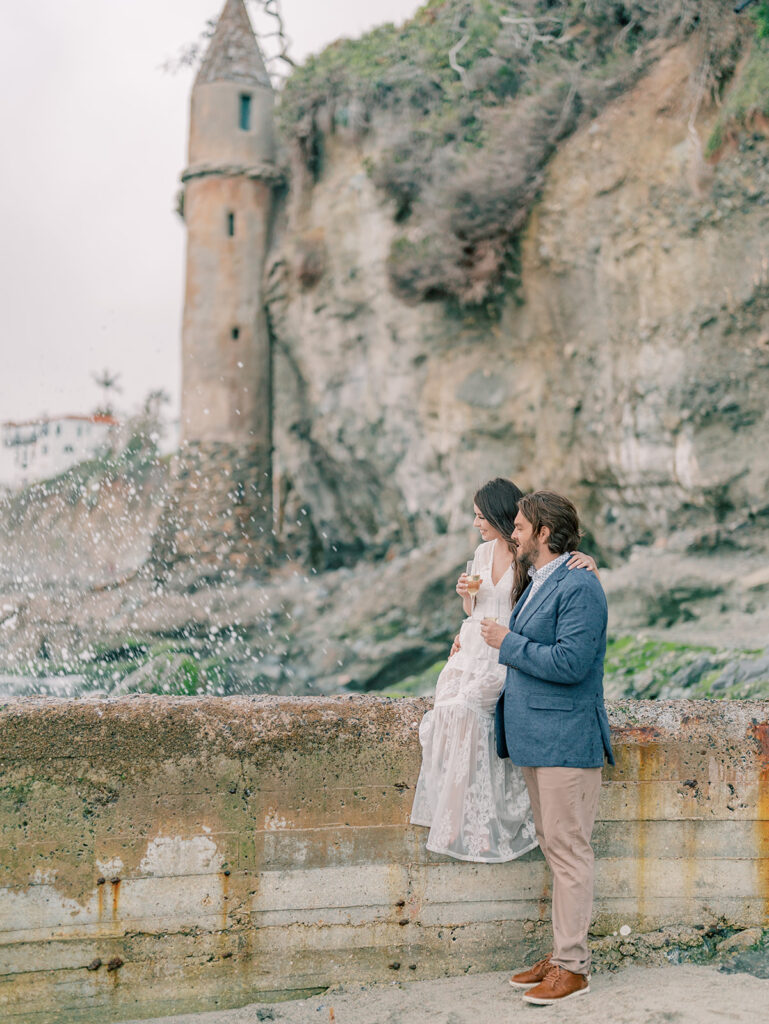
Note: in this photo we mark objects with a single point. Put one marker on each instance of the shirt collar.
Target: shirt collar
(540, 575)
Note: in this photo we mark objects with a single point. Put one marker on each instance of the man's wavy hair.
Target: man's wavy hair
(546, 508)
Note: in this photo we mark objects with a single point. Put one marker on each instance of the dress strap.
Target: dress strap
(485, 556)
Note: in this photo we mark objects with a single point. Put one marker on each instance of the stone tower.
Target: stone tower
(227, 208)
(221, 513)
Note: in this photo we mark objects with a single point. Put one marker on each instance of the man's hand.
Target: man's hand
(493, 633)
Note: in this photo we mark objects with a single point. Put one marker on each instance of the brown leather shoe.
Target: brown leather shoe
(532, 975)
(559, 984)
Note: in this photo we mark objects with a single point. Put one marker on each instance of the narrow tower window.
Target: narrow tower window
(235, 333)
(245, 111)
(231, 224)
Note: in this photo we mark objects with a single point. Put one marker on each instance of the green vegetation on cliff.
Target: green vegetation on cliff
(760, 15)
(642, 668)
(473, 98)
(748, 100)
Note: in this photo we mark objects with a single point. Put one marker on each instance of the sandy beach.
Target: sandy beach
(683, 994)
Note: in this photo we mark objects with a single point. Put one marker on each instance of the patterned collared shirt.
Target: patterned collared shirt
(538, 576)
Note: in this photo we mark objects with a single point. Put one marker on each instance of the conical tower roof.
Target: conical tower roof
(233, 54)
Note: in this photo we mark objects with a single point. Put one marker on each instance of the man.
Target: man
(552, 721)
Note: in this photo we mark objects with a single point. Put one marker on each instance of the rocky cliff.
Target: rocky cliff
(618, 350)
(552, 264)
(626, 365)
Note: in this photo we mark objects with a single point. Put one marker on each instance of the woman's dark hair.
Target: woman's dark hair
(498, 503)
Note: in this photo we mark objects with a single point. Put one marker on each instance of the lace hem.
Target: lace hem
(482, 860)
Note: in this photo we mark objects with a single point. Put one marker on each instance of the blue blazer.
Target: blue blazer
(551, 712)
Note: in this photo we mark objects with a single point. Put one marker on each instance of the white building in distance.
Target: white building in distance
(44, 448)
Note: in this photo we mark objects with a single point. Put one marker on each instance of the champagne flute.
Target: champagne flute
(473, 583)
(497, 612)
(497, 615)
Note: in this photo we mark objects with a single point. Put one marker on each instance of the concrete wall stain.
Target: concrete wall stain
(115, 886)
(760, 734)
(224, 878)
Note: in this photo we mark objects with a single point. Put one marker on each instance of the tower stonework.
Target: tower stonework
(221, 513)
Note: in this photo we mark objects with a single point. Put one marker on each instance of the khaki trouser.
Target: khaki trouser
(564, 802)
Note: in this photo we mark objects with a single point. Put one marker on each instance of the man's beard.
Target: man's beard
(524, 556)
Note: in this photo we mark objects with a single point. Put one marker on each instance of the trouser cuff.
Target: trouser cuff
(576, 967)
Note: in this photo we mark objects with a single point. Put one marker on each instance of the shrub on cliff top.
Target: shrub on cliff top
(475, 96)
(760, 16)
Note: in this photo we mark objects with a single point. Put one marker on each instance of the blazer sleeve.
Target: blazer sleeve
(580, 623)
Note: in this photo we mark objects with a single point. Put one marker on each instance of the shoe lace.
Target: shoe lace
(554, 974)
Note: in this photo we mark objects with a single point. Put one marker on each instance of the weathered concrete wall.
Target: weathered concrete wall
(161, 855)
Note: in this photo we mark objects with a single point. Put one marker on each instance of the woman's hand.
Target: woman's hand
(493, 633)
(579, 560)
(455, 646)
(467, 601)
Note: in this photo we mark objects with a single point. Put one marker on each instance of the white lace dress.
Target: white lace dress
(475, 804)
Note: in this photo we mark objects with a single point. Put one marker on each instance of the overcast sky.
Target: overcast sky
(94, 139)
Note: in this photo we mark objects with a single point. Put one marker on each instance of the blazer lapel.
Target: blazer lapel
(518, 605)
(547, 587)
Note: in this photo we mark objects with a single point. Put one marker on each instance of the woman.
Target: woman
(475, 804)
